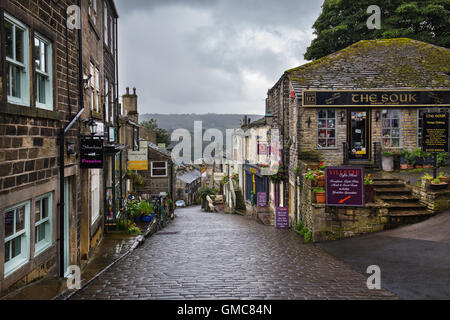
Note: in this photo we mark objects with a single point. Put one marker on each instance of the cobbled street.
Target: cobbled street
(217, 256)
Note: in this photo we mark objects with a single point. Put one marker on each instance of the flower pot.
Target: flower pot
(320, 197)
(368, 193)
(404, 166)
(446, 180)
(321, 181)
(387, 163)
(147, 219)
(419, 166)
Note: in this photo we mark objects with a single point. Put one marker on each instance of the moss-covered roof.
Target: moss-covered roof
(384, 63)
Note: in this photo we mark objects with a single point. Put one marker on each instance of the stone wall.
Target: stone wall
(331, 223)
(436, 201)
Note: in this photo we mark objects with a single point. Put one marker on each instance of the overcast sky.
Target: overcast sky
(218, 56)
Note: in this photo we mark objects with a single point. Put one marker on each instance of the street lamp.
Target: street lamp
(93, 127)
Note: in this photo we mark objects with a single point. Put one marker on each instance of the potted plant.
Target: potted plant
(410, 160)
(387, 161)
(442, 159)
(146, 210)
(368, 189)
(428, 160)
(419, 160)
(426, 179)
(436, 184)
(320, 195)
(133, 210)
(444, 178)
(403, 156)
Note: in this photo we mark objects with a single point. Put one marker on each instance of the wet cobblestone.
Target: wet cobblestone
(217, 256)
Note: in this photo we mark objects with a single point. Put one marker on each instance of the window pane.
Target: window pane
(37, 211)
(322, 143)
(331, 133)
(9, 223)
(331, 143)
(37, 55)
(37, 229)
(19, 44)
(16, 81)
(7, 251)
(20, 219)
(9, 39)
(322, 114)
(16, 247)
(386, 132)
(322, 124)
(159, 172)
(331, 123)
(396, 123)
(45, 56)
(395, 143)
(395, 133)
(322, 133)
(41, 88)
(331, 113)
(159, 164)
(44, 208)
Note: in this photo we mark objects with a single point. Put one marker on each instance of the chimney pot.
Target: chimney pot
(134, 91)
(128, 90)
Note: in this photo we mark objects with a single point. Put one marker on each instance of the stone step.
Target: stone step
(388, 184)
(406, 205)
(397, 197)
(396, 190)
(385, 179)
(410, 213)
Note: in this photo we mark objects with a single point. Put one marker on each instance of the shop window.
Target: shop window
(43, 72)
(17, 235)
(95, 195)
(43, 223)
(159, 169)
(17, 65)
(420, 114)
(326, 129)
(391, 131)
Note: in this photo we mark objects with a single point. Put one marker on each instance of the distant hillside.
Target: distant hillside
(171, 122)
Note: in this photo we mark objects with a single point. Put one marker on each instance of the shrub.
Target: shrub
(299, 226)
(308, 236)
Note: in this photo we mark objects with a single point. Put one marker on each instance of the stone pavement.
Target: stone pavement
(218, 256)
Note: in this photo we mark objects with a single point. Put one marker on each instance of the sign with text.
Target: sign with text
(91, 153)
(435, 132)
(262, 199)
(345, 186)
(370, 98)
(282, 218)
(138, 160)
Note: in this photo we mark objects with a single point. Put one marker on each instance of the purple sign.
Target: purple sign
(345, 186)
(262, 199)
(282, 218)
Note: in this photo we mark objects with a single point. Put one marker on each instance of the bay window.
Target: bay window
(17, 64)
(391, 128)
(17, 235)
(43, 72)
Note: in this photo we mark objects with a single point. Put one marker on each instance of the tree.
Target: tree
(162, 136)
(344, 22)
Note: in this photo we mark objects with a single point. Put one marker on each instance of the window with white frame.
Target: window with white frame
(95, 195)
(43, 223)
(17, 64)
(391, 128)
(43, 72)
(326, 129)
(95, 88)
(159, 169)
(17, 235)
(107, 117)
(105, 23)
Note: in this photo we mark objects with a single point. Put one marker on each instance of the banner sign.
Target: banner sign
(262, 199)
(345, 186)
(435, 132)
(376, 98)
(282, 218)
(138, 160)
(91, 153)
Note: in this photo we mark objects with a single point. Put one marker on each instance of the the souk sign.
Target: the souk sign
(345, 186)
(373, 98)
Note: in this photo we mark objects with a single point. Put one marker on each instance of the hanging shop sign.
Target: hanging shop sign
(138, 160)
(282, 218)
(375, 98)
(91, 153)
(345, 186)
(262, 199)
(435, 132)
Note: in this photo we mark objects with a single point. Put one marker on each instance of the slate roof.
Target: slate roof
(189, 177)
(386, 64)
(158, 149)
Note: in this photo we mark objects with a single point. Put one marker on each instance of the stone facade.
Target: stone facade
(29, 144)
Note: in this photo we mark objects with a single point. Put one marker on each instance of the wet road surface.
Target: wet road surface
(218, 256)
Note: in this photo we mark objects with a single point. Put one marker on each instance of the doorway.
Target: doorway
(359, 134)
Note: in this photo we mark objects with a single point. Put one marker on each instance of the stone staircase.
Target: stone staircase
(404, 208)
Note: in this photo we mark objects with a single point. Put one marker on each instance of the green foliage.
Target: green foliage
(206, 191)
(442, 159)
(145, 208)
(410, 158)
(124, 224)
(319, 190)
(134, 231)
(368, 179)
(133, 209)
(387, 154)
(279, 176)
(162, 136)
(436, 181)
(299, 226)
(307, 236)
(344, 22)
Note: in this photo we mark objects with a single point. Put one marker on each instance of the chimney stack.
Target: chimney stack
(130, 105)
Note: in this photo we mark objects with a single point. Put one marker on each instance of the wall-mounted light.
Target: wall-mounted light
(377, 116)
(342, 116)
(93, 127)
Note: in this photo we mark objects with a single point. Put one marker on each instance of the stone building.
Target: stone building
(188, 181)
(345, 108)
(39, 95)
